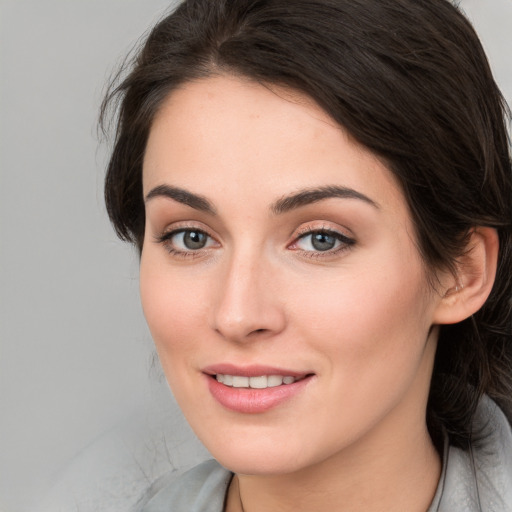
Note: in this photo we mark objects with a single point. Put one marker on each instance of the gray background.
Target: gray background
(75, 354)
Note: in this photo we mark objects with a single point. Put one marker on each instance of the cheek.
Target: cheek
(372, 319)
(370, 330)
(174, 308)
(174, 311)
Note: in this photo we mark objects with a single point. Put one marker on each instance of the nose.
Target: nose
(247, 303)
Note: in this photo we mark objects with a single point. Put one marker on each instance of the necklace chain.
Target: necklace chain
(239, 494)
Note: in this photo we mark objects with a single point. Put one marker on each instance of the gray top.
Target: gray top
(479, 480)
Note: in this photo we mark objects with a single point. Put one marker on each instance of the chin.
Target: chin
(262, 464)
(267, 456)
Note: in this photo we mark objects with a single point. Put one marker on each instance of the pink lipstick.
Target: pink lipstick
(254, 389)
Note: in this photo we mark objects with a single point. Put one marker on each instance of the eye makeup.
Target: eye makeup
(186, 241)
(311, 242)
(321, 242)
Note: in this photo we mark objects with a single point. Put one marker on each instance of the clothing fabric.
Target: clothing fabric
(478, 480)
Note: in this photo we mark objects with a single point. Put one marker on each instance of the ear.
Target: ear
(465, 293)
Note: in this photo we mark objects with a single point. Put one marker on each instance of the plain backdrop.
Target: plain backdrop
(75, 354)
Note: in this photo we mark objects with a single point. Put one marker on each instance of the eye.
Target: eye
(183, 241)
(322, 241)
(190, 240)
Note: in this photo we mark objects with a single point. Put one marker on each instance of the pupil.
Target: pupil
(323, 242)
(194, 240)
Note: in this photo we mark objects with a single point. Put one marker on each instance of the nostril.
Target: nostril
(256, 331)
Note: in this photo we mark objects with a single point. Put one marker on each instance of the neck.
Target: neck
(404, 479)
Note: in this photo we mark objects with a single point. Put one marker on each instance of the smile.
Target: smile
(258, 382)
(254, 389)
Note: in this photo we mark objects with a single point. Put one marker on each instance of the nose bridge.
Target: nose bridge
(246, 302)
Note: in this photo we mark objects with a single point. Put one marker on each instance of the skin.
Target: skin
(361, 319)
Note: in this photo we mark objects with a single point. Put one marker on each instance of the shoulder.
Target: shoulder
(200, 489)
(126, 464)
(480, 479)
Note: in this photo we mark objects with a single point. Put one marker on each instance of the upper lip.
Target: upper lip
(251, 370)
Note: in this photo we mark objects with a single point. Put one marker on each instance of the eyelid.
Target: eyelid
(171, 234)
(345, 240)
(185, 225)
(323, 227)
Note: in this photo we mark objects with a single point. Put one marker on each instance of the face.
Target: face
(280, 280)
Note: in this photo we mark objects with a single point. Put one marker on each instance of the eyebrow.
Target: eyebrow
(285, 204)
(313, 195)
(182, 196)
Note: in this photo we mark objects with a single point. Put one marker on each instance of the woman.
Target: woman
(321, 194)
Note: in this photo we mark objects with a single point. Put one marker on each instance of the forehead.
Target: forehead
(226, 132)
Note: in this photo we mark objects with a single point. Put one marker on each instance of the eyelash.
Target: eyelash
(165, 240)
(345, 242)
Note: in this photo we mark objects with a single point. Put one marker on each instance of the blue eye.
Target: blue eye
(322, 241)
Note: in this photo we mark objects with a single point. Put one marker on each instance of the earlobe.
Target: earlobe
(465, 293)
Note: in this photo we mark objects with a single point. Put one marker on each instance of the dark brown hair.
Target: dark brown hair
(409, 80)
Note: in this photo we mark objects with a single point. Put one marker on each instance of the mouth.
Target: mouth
(254, 389)
(256, 382)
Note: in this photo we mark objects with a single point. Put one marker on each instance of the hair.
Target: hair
(409, 80)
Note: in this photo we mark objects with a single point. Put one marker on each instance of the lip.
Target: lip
(253, 401)
(251, 371)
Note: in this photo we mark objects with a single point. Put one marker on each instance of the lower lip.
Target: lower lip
(253, 401)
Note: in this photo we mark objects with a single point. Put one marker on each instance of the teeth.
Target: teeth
(260, 382)
(240, 382)
(274, 380)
